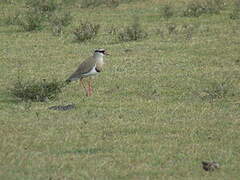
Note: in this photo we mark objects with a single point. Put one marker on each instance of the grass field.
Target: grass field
(162, 105)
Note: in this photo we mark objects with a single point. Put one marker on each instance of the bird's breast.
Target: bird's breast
(92, 72)
(99, 65)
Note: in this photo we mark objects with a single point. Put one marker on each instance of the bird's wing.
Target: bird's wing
(83, 68)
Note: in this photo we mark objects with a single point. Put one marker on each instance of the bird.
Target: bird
(90, 67)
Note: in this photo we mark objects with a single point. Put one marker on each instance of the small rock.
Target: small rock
(210, 166)
(63, 108)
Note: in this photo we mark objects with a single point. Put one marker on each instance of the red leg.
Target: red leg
(90, 87)
(83, 85)
(91, 83)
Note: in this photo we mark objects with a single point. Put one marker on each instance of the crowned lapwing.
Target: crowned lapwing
(90, 67)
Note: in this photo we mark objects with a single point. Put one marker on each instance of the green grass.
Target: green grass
(161, 106)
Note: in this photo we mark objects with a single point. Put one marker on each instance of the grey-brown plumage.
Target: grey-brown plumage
(85, 67)
(90, 67)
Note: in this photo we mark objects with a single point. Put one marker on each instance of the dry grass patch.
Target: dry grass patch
(36, 91)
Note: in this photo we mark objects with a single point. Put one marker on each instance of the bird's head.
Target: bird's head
(101, 52)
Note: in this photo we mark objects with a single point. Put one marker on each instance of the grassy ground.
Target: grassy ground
(160, 107)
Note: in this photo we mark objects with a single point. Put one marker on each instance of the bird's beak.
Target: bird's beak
(106, 53)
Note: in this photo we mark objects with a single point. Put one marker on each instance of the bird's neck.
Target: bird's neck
(99, 61)
(99, 58)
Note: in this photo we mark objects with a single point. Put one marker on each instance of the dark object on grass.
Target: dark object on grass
(63, 108)
(210, 166)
